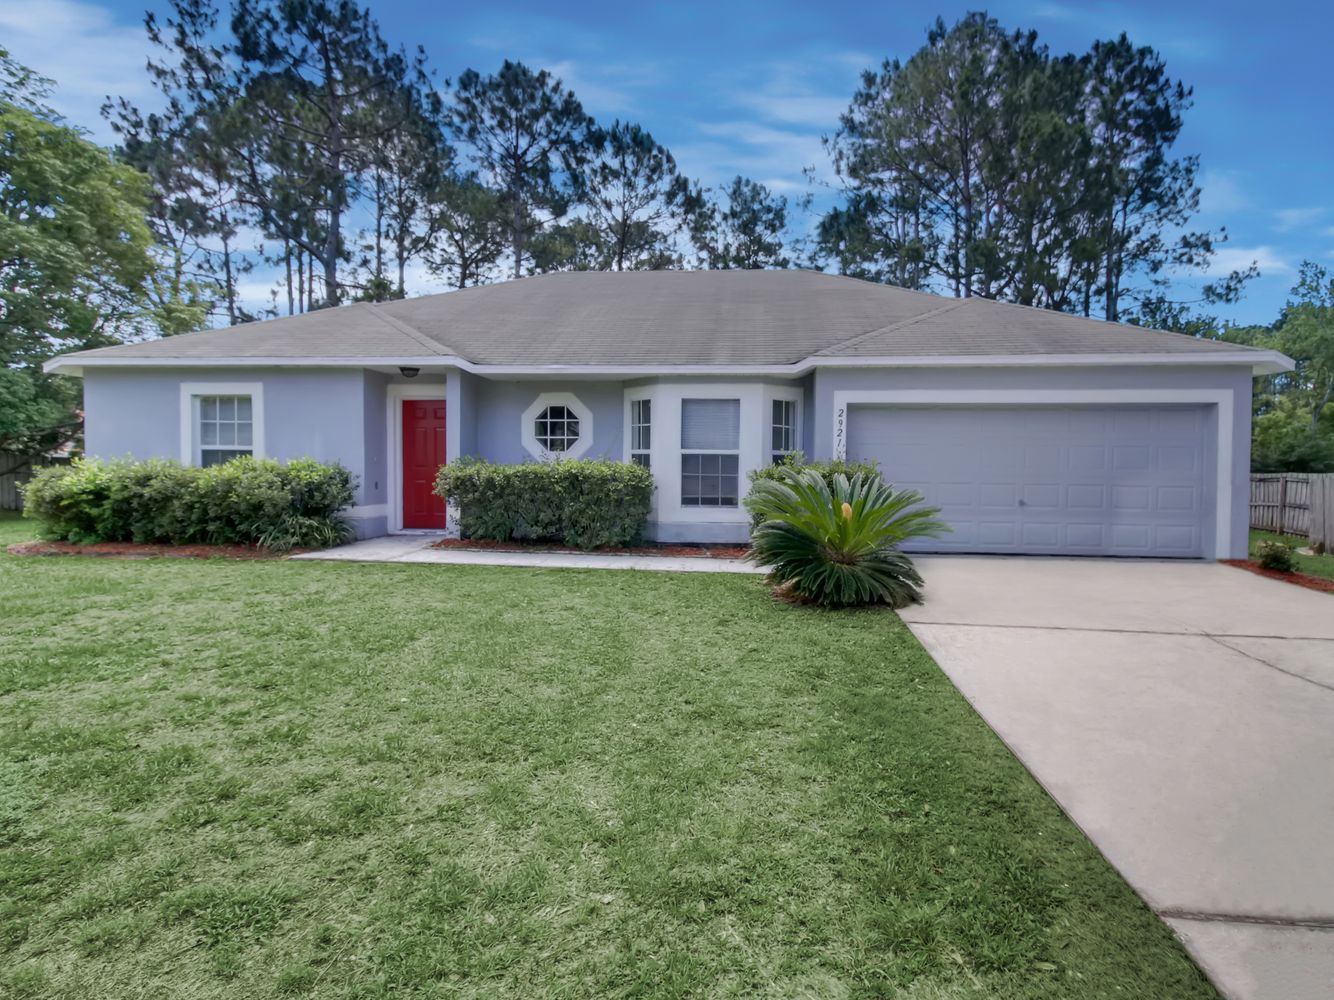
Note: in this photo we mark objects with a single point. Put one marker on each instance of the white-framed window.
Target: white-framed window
(557, 425)
(221, 421)
(710, 452)
(556, 429)
(226, 428)
(783, 429)
(641, 431)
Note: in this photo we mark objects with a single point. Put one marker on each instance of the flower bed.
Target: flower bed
(138, 550)
(1306, 580)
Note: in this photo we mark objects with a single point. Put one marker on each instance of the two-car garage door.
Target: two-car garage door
(1077, 480)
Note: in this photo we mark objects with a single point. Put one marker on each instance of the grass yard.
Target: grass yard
(224, 779)
(1322, 566)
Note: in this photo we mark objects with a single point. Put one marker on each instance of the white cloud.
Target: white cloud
(84, 48)
(1228, 259)
(812, 110)
(753, 150)
(1286, 220)
(1221, 192)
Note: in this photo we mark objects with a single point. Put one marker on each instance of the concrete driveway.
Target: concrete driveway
(1183, 715)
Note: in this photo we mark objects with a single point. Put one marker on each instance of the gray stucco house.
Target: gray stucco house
(1035, 432)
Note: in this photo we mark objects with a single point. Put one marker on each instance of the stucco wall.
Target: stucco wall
(1234, 382)
(498, 409)
(315, 413)
(339, 415)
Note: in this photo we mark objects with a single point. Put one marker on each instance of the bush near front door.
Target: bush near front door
(244, 501)
(584, 503)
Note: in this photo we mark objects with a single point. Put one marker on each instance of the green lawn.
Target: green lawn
(1315, 565)
(223, 779)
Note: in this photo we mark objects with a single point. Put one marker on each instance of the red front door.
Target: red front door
(423, 454)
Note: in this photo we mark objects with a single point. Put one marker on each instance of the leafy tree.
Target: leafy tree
(298, 100)
(1133, 111)
(1306, 334)
(636, 201)
(988, 165)
(75, 258)
(530, 137)
(744, 229)
(471, 232)
(406, 172)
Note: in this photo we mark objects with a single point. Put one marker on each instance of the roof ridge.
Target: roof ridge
(410, 331)
(899, 325)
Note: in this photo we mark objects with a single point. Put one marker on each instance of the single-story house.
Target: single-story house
(1034, 431)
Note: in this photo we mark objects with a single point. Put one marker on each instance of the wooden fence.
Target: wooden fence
(15, 470)
(1294, 503)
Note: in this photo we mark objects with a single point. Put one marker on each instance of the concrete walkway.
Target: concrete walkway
(1183, 715)
(417, 549)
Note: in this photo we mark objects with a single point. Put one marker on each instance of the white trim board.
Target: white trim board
(394, 397)
(1222, 399)
(1260, 362)
(191, 391)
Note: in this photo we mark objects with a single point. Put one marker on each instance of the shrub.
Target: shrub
(1273, 554)
(838, 546)
(244, 501)
(826, 470)
(583, 503)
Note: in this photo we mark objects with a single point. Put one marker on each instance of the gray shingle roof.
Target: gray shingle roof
(669, 318)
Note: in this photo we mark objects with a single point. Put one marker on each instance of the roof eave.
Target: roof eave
(1260, 362)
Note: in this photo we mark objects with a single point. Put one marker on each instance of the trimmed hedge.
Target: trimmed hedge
(244, 501)
(796, 460)
(582, 503)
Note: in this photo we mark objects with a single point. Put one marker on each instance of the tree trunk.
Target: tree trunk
(517, 217)
(228, 276)
(287, 259)
(1320, 406)
(400, 252)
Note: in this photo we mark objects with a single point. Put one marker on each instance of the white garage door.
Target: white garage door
(1079, 480)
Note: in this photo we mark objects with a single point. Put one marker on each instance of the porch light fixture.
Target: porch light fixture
(408, 372)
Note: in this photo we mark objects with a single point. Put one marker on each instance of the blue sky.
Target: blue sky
(750, 87)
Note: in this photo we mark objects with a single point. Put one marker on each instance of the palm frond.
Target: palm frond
(837, 543)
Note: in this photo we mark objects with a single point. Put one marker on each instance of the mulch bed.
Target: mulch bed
(135, 550)
(697, 551)
(1300, 579)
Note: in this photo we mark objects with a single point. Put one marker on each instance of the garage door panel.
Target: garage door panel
(1174, 498)
(1042, 495)
(1179, 537)
(1085, 497)
(1101, 480)
(1041, 534)
(997, 533)
(1177, 458)
(1086, 536)
(1086, 458)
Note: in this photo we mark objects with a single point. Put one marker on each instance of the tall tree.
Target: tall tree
(406, 173)
(318, 73)
(1133, 111)
(75, 258)
(530, 138)
(636, 200)
(298, 99)
(986, 165)
(471, 232)
(743, 229)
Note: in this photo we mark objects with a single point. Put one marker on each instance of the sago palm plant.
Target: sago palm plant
(837, 544)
